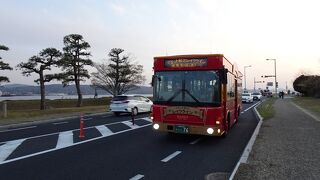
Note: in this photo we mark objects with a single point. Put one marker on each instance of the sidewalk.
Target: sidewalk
(287, 147)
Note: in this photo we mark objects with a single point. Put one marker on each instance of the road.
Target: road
(114, 149)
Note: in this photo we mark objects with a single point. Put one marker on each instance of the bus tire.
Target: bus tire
(238, 115)
(228, 127)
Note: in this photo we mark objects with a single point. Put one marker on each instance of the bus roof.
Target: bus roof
(214, 61)
(187, 56)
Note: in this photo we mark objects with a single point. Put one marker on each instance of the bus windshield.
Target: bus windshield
(197, 88)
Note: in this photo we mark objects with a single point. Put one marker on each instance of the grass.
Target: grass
(28, 110)
(266, 109)
(58, 103)
(309, 103)
(18, 116)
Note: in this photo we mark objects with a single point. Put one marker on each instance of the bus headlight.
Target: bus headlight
(156, 126)
(210, 131)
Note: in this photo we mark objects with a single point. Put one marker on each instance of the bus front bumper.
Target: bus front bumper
(188, 129)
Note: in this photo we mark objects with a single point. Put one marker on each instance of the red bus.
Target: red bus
(195, 94)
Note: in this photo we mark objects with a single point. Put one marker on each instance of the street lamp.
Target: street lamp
(244, 70)
(275, 74)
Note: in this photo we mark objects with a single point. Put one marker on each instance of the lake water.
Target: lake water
(37, 97)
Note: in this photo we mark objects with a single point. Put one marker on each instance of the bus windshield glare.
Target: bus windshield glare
(195, 88)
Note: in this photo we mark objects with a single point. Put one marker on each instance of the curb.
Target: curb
(10, 126)
(248, 148)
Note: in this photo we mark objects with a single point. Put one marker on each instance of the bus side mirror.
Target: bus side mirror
(154, 79)
(223, 76)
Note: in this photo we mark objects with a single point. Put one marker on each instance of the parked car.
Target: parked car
(256, 96)
(247, 97)
(129, 103)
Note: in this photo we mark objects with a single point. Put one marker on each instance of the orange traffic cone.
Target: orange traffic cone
(81, 134)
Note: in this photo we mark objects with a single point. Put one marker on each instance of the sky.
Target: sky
(247, 32)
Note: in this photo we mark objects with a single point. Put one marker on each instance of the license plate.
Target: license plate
(181, 129)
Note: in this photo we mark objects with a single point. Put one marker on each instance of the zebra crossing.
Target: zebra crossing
(23, 148)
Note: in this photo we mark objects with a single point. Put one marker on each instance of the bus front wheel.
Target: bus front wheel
(227, 128)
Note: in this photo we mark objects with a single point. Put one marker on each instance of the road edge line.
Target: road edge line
(248, 148)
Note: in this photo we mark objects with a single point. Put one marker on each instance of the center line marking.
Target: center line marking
(171, 156)
(60, 123)
(195, 141)
(137, 177)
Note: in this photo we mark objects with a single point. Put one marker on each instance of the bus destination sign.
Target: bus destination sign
(185, 63)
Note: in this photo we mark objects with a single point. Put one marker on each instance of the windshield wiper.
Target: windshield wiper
(194, 98)
(174, 96)
(183, 90)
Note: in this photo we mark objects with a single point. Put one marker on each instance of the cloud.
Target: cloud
(174, 4)
(119, 9)
(209, 6)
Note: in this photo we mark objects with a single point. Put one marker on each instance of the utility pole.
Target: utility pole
(275, 74)
(254, 84)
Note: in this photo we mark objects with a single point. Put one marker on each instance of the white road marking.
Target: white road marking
(137, 177)
(65, 139)
(44, 135)
(129, 123)
(18, 129)
(171, 156)
(195, 141)
(60, 123)
(147, 119)
(74, 144)
(256, 104)
(86, 119)
(248, 148)
(7, 148)
(104, 130)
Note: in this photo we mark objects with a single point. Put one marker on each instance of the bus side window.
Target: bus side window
(230, 86)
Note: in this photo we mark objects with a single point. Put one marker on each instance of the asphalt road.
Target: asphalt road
(114, 149)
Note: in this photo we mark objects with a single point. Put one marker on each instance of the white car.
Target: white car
(247, 97)
(129, 103)
(256, 96)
